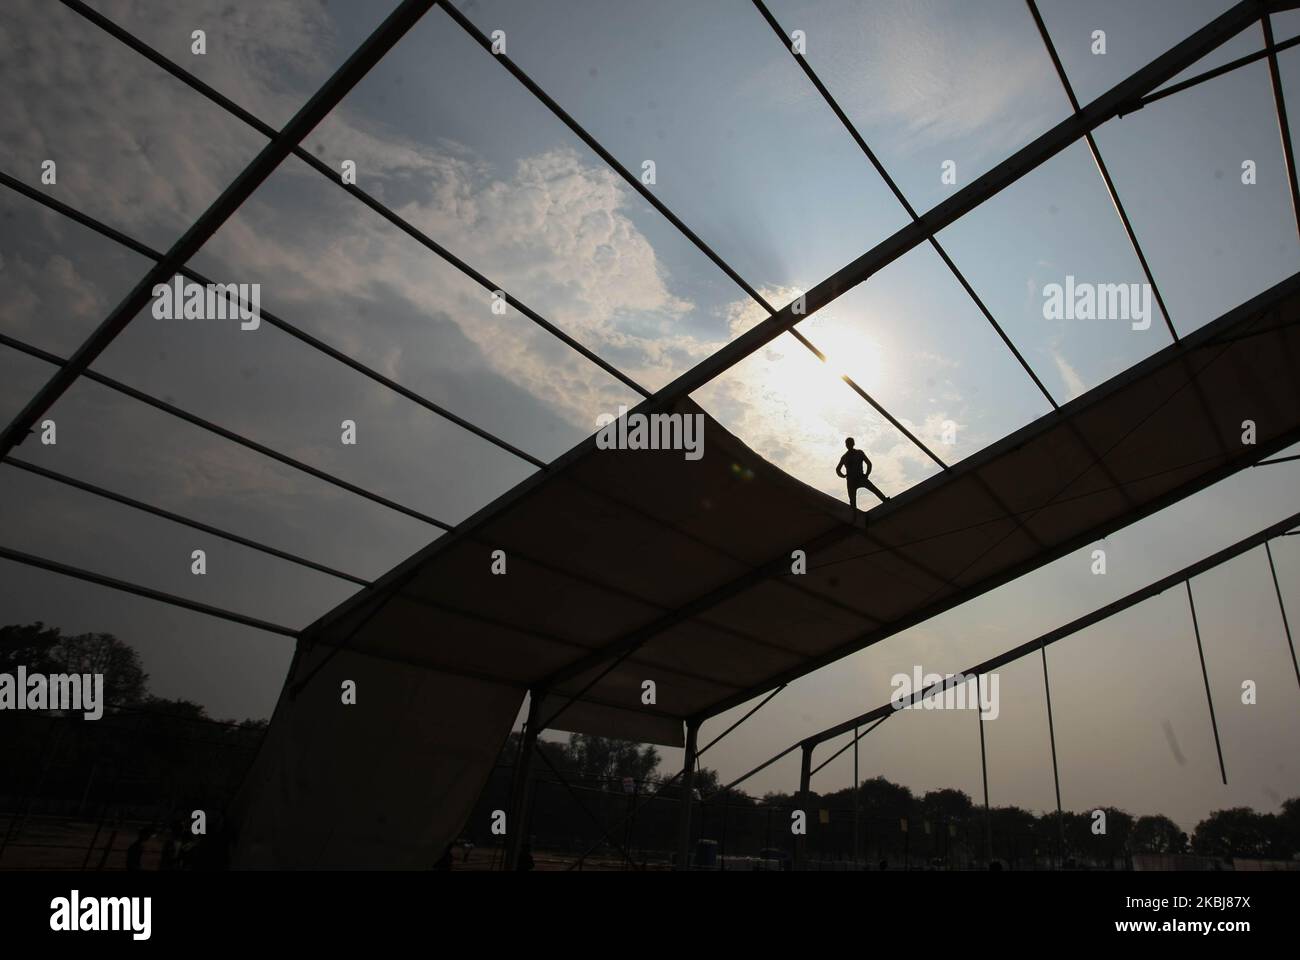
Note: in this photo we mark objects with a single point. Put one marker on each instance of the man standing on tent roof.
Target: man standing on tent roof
(855, 468)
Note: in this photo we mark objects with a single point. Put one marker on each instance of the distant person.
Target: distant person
(444, 862)
(135, 852)
(855, 468)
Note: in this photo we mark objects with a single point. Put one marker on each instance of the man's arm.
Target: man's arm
(866, 465)
(840, 468)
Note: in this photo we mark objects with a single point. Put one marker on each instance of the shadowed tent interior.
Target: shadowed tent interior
(624, 566)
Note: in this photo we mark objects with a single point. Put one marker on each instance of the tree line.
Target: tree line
(150, 756)
(610, 780)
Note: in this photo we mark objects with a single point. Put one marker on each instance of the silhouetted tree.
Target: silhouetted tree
(1016, 834)
(1112, 846)
(603, 758)
(1288, 823)
(43, 649)
(1236, 832)
(1157, 834)
(946, 805)
(886, 799)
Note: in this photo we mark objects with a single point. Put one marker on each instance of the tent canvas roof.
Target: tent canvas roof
(687, 564)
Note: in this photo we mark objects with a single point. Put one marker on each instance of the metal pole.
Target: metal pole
(1282, 607)
(1102, 169)
(521, 784)
(805, 797)
(984, 767)
(1206, 677)
(54, 566)
(1216, 72)
(688, 786)
(203, 424)
(1283, 126)
(857, 806)
(177, 518)
(722, 848)
(1056, 777)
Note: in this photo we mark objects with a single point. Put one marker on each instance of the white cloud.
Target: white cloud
(554, 230)
(1073, 382)
(935, 72)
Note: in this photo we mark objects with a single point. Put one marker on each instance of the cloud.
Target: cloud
(132, 145)
(933, 72)
(554, 230)
(1073, 382)
(46, 285)
(136, 149)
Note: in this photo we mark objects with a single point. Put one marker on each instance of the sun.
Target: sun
(851, 352)
(814, 387)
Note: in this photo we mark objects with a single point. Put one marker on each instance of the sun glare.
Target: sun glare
(813, 387)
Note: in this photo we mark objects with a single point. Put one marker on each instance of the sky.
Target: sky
(747, 154)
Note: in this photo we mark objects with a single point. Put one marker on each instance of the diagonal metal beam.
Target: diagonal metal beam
(1119, 206)
(208, 425)
(610, 160)
(1205, 676)
(1283, 125)
(53, 566)
(853, 742)
(1101, 166)
(385, 36)
(193, 524)
(1281, 607)
(1200, 78)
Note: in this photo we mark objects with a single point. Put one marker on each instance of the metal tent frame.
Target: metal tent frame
(1142, 88)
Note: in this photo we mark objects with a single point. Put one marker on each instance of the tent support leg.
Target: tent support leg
(521, 783)
(688, 785)
(805, 796)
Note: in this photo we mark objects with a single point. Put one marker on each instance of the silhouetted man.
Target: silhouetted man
(855, 468)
